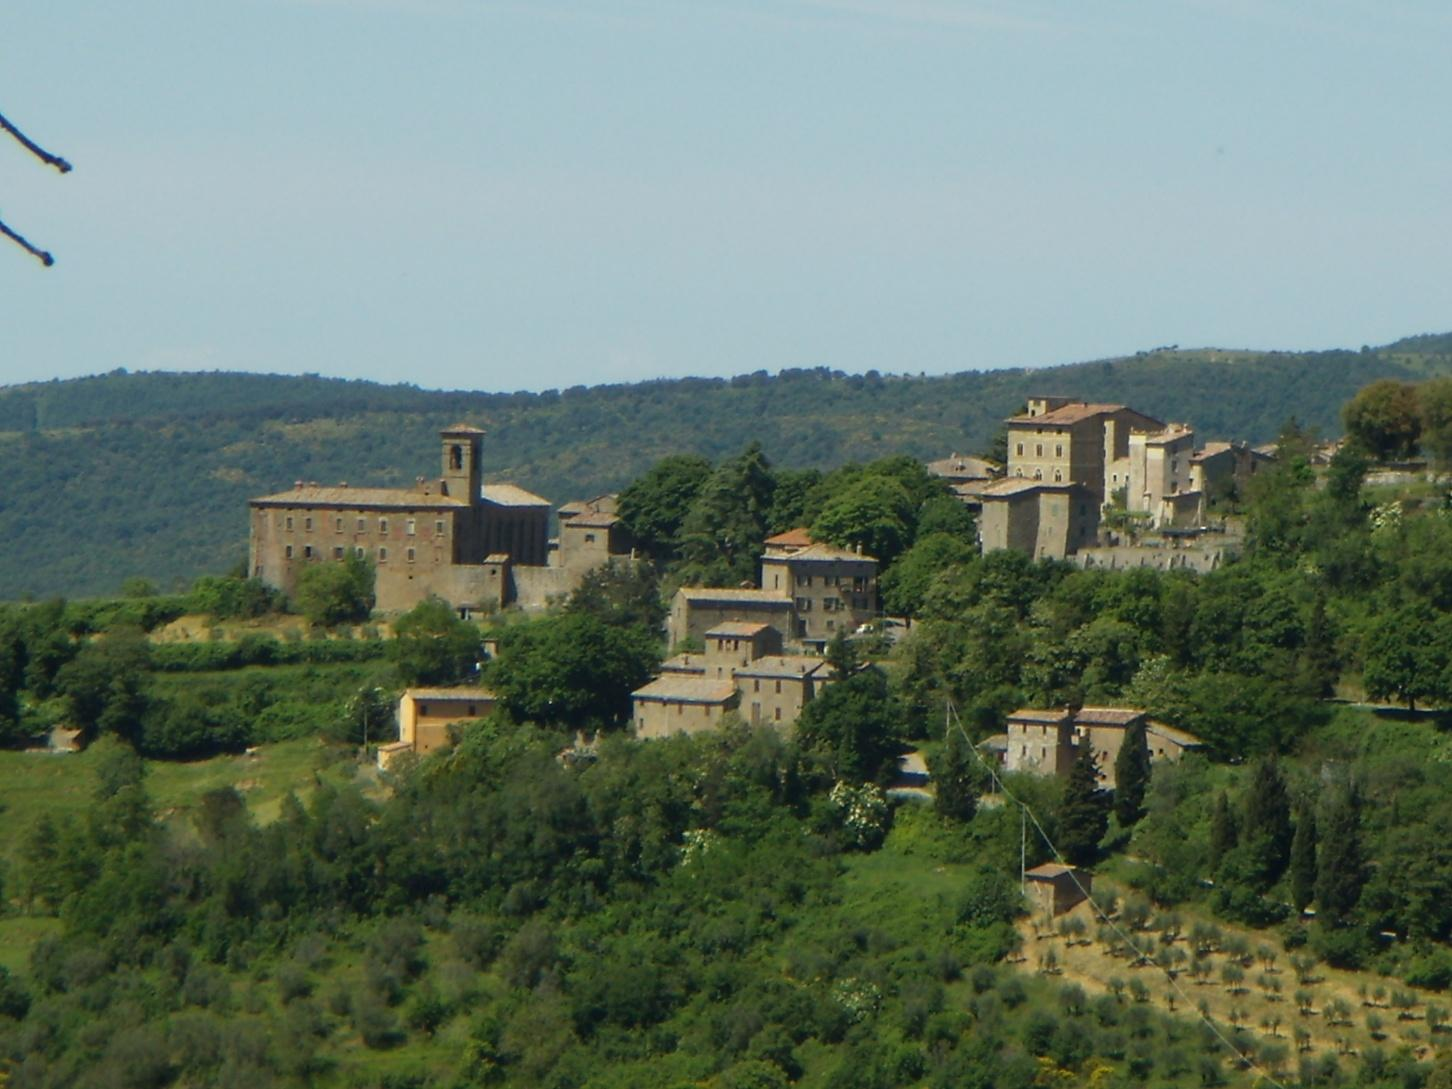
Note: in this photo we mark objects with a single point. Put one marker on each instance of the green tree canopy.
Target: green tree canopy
(1385, 419)
(572, 670)
(432, 645)
(655, 505)
(334, 593)
(1084, 810)
(722, 533)
(1131, 775)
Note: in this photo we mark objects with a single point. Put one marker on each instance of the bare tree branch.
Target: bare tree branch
(35, 149)
(49, 160)
(35, 251)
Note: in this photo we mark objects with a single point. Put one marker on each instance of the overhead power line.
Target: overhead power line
(1026, 811)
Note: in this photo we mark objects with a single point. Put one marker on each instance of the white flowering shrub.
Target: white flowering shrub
(859, 997)
(862, 814)
(696, 842)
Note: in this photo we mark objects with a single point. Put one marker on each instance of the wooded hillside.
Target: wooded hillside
(125, 475)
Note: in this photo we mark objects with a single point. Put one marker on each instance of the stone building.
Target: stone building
(1047, 741)
(477, 546)
(809, 592)
(832, 589)
(1070, 461)
(1045, 520)
(1054, 888)
(677, 703)
(428, 717)
(765, 686)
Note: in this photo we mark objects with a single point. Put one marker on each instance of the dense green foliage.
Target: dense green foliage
(155, 469)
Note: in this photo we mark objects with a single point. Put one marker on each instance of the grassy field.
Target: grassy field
(32, 783)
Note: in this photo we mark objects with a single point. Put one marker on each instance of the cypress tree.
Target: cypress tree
(1131, 775)
(1084, 811)
(1224, 835)
(1303, 859)
(1268, 822)
(954, 780)
(1341, 869)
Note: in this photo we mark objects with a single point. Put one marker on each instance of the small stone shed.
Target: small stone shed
(1053, 889)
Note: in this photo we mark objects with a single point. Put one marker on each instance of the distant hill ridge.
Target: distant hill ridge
(148, 474)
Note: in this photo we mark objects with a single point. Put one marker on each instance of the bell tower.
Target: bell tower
(460, 475)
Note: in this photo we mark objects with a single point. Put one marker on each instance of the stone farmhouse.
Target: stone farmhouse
(477, 546)
(809, 592)
(427, 718)
(1048, 741)
(1068, 461)
(742, 669)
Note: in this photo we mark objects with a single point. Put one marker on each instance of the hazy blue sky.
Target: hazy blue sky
(537, 194)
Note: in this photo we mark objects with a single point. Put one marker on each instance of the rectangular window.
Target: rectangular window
(289, 552)
(756, 685)
(383, 555)
(1019, 449)
(439, 527)
(307, 552)
(338, 525)
(778, 688)
(804, 604)
(308, 522)
(410, 555)
(589, 538)
(288, 522)
(383, 526)
(359, 551)
(778, 714)
(1058, 450)
(338, 552)
(362, 524)
(410, 526)
(831, 625)
(1038, 449)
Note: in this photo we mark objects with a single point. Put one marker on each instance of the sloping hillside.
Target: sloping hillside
(148, 474)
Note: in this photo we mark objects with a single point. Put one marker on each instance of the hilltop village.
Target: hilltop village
(1095, 484)
(1102, 757)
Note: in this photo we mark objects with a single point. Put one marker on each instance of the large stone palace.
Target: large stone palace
(477, 546)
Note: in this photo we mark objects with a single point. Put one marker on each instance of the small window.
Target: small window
(756, 685)
(289, 551)
(362, 525)
(589, 538)
(338, 552)
(778, 688)
(308, 522)
(383, 555)
(1019, 449)
(472, 712)
(338, 525)
(383, 526)
(1058, 476)
(1058, 450)
(778, 714)
(410, 555)
(360, 551)
(410, 526)
(439, 527)
(1038, 449)
(288, 522)
(307, 552)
